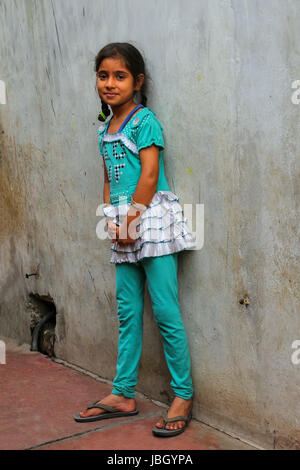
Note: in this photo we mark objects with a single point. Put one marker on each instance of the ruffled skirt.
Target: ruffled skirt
(162, 229)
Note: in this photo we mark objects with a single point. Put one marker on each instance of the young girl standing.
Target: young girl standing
(146, 224)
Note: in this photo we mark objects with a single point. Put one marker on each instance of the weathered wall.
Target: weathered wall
(221, 86)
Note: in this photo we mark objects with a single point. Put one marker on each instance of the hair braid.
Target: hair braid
(143, 95)
(144, 99)
(103, 115)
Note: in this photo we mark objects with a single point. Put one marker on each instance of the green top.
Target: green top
(120, 152)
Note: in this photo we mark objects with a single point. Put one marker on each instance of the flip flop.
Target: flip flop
(163, 432)
(110, 413)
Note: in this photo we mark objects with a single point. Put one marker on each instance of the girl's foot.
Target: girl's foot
(119, 402)
(179, 407)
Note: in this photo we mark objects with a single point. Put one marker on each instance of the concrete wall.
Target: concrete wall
(221, 85)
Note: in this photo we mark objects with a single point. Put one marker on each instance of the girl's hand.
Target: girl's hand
(122, 235)
(111, 229)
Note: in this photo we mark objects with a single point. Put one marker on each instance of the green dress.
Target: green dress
(162, 229)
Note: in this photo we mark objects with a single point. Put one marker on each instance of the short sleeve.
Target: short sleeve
(150, 132)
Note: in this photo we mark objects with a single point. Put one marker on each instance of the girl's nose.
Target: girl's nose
(110, 83)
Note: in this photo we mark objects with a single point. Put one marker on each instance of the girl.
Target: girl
(144, 220)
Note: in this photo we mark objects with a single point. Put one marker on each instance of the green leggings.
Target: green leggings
(161, 273)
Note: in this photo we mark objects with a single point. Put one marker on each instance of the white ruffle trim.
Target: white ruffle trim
(120, 136)
(162, 229)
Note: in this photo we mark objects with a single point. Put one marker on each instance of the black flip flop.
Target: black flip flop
(163, 432)
(110, 413)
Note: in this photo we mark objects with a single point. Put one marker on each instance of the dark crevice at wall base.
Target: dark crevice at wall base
(42, 311)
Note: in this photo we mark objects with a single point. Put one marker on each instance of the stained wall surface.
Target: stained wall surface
(221, 85)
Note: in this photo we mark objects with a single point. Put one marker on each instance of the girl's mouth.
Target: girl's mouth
(110, 95)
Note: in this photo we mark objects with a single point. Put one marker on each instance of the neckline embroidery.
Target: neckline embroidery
(134, 117)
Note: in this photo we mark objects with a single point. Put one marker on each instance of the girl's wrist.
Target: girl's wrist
(106, 204)
(134, 213)
(107, 210)
(136, 207)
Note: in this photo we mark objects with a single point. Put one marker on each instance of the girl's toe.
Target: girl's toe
(159, 424)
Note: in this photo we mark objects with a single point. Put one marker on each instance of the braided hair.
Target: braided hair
(134, 62)
(143, 96)
(105, 112)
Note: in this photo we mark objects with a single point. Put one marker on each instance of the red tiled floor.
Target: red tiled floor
(137, 435)
(39, 397)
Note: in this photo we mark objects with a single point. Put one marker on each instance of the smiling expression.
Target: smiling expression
(115, 82)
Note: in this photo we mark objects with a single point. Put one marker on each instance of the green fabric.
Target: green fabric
(161, 274)
(149, 131)
(122, 161)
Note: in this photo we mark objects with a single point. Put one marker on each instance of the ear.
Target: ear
(139, 81)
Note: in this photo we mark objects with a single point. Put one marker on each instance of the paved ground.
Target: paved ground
(39, 397)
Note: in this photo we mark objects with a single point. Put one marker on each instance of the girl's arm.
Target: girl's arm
(147, 183)
(111, 227)
(144, 190)
(106, 188)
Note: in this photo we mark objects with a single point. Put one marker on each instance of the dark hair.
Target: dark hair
(134, 62)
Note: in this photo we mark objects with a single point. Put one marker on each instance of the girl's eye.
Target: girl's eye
(102, 76)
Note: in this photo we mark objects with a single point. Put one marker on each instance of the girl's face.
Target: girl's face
(115, 82)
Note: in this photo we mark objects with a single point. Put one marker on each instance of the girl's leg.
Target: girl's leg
(130, 286)
(161, 272)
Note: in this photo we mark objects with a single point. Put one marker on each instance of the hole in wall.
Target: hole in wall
(42, 311)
